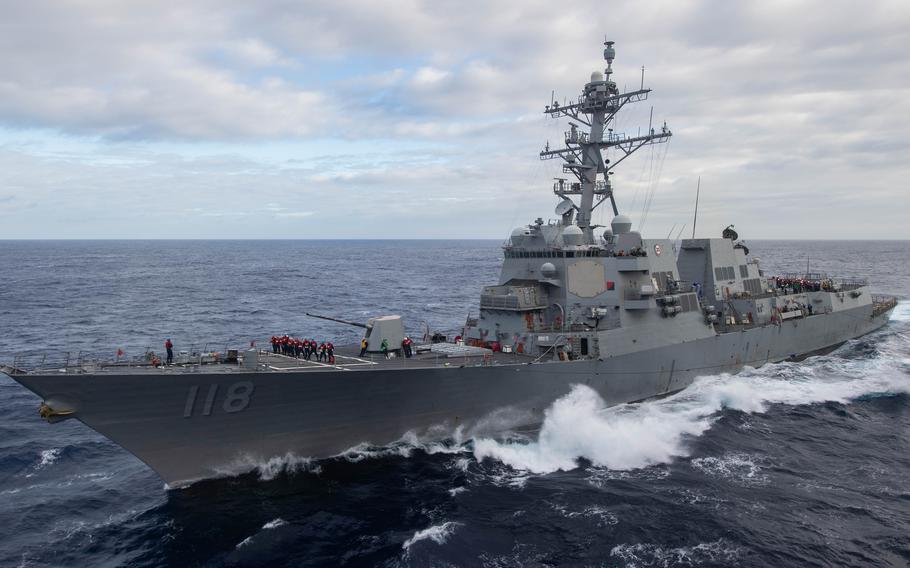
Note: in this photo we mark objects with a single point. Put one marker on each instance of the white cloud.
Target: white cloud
(253, 51)
(430, 114)
(429, 76)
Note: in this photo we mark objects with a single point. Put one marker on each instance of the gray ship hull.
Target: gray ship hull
(192, 426)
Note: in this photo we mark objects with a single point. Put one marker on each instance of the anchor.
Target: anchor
(53, 415)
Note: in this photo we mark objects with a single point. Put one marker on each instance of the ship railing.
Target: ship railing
(805, 275)
(602, 188)
(52, 361)
(849, 283)
(675, 287)
(882, 303)
(576, 137)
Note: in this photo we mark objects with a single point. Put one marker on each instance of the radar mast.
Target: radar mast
(596, 108)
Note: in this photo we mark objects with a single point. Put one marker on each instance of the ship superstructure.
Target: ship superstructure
(632, 318)
(567, 278)
(570, 290)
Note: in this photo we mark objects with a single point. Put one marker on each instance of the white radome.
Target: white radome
(519, 235)
(572, 235)
(621, 224)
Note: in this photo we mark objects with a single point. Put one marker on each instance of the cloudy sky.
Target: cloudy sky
(410, 119)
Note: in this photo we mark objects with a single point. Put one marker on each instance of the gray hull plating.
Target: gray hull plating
(193, 426)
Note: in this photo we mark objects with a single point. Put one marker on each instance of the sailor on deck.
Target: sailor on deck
(406, 347)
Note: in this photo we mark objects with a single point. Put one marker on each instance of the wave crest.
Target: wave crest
(634, 436)
(437, 533)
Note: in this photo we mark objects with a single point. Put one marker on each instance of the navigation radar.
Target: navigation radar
(564, 206)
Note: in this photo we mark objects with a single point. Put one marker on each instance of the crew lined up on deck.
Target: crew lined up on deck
(804, 285)
(325, 351)
(303, 348)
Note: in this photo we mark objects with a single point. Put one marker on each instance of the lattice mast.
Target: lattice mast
(596, 108)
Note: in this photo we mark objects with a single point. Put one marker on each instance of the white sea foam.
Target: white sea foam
(501, 476)
(365, 451)
(437, 533)
(718, 551)
(244, 542)
(744, 469)
(901, 313)
(601, 476)
(47, 457)
(406, 446)
(602, 516)
(288, 463)
(463, 463)
(274, 524)
(579, 424)
(271, 468)
(66, 530)
(635, 436)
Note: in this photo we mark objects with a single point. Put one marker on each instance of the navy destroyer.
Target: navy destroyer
(576, 303)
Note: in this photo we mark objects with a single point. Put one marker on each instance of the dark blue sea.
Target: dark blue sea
(793, 464)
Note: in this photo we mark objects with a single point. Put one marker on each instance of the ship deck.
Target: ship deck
(347, 358)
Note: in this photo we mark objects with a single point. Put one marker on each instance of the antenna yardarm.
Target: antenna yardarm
(583, 152)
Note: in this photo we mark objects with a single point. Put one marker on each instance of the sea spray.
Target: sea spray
(632, 436)
(580, 425)
(437, 533)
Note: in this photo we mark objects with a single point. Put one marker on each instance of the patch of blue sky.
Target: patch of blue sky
(286, 153)
(309, 72)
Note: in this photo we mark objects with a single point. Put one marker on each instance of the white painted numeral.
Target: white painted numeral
(190, 401)
(238, 396)
(210, 400)
(237, 399)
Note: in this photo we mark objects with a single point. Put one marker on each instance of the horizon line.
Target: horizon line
(234, 239)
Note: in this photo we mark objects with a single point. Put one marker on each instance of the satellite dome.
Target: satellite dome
(621, 224)
(519, 235)
(548, 270)
(597, 77)
(608, 234)
(572, 235)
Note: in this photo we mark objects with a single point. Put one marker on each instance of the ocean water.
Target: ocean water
(794, 464)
